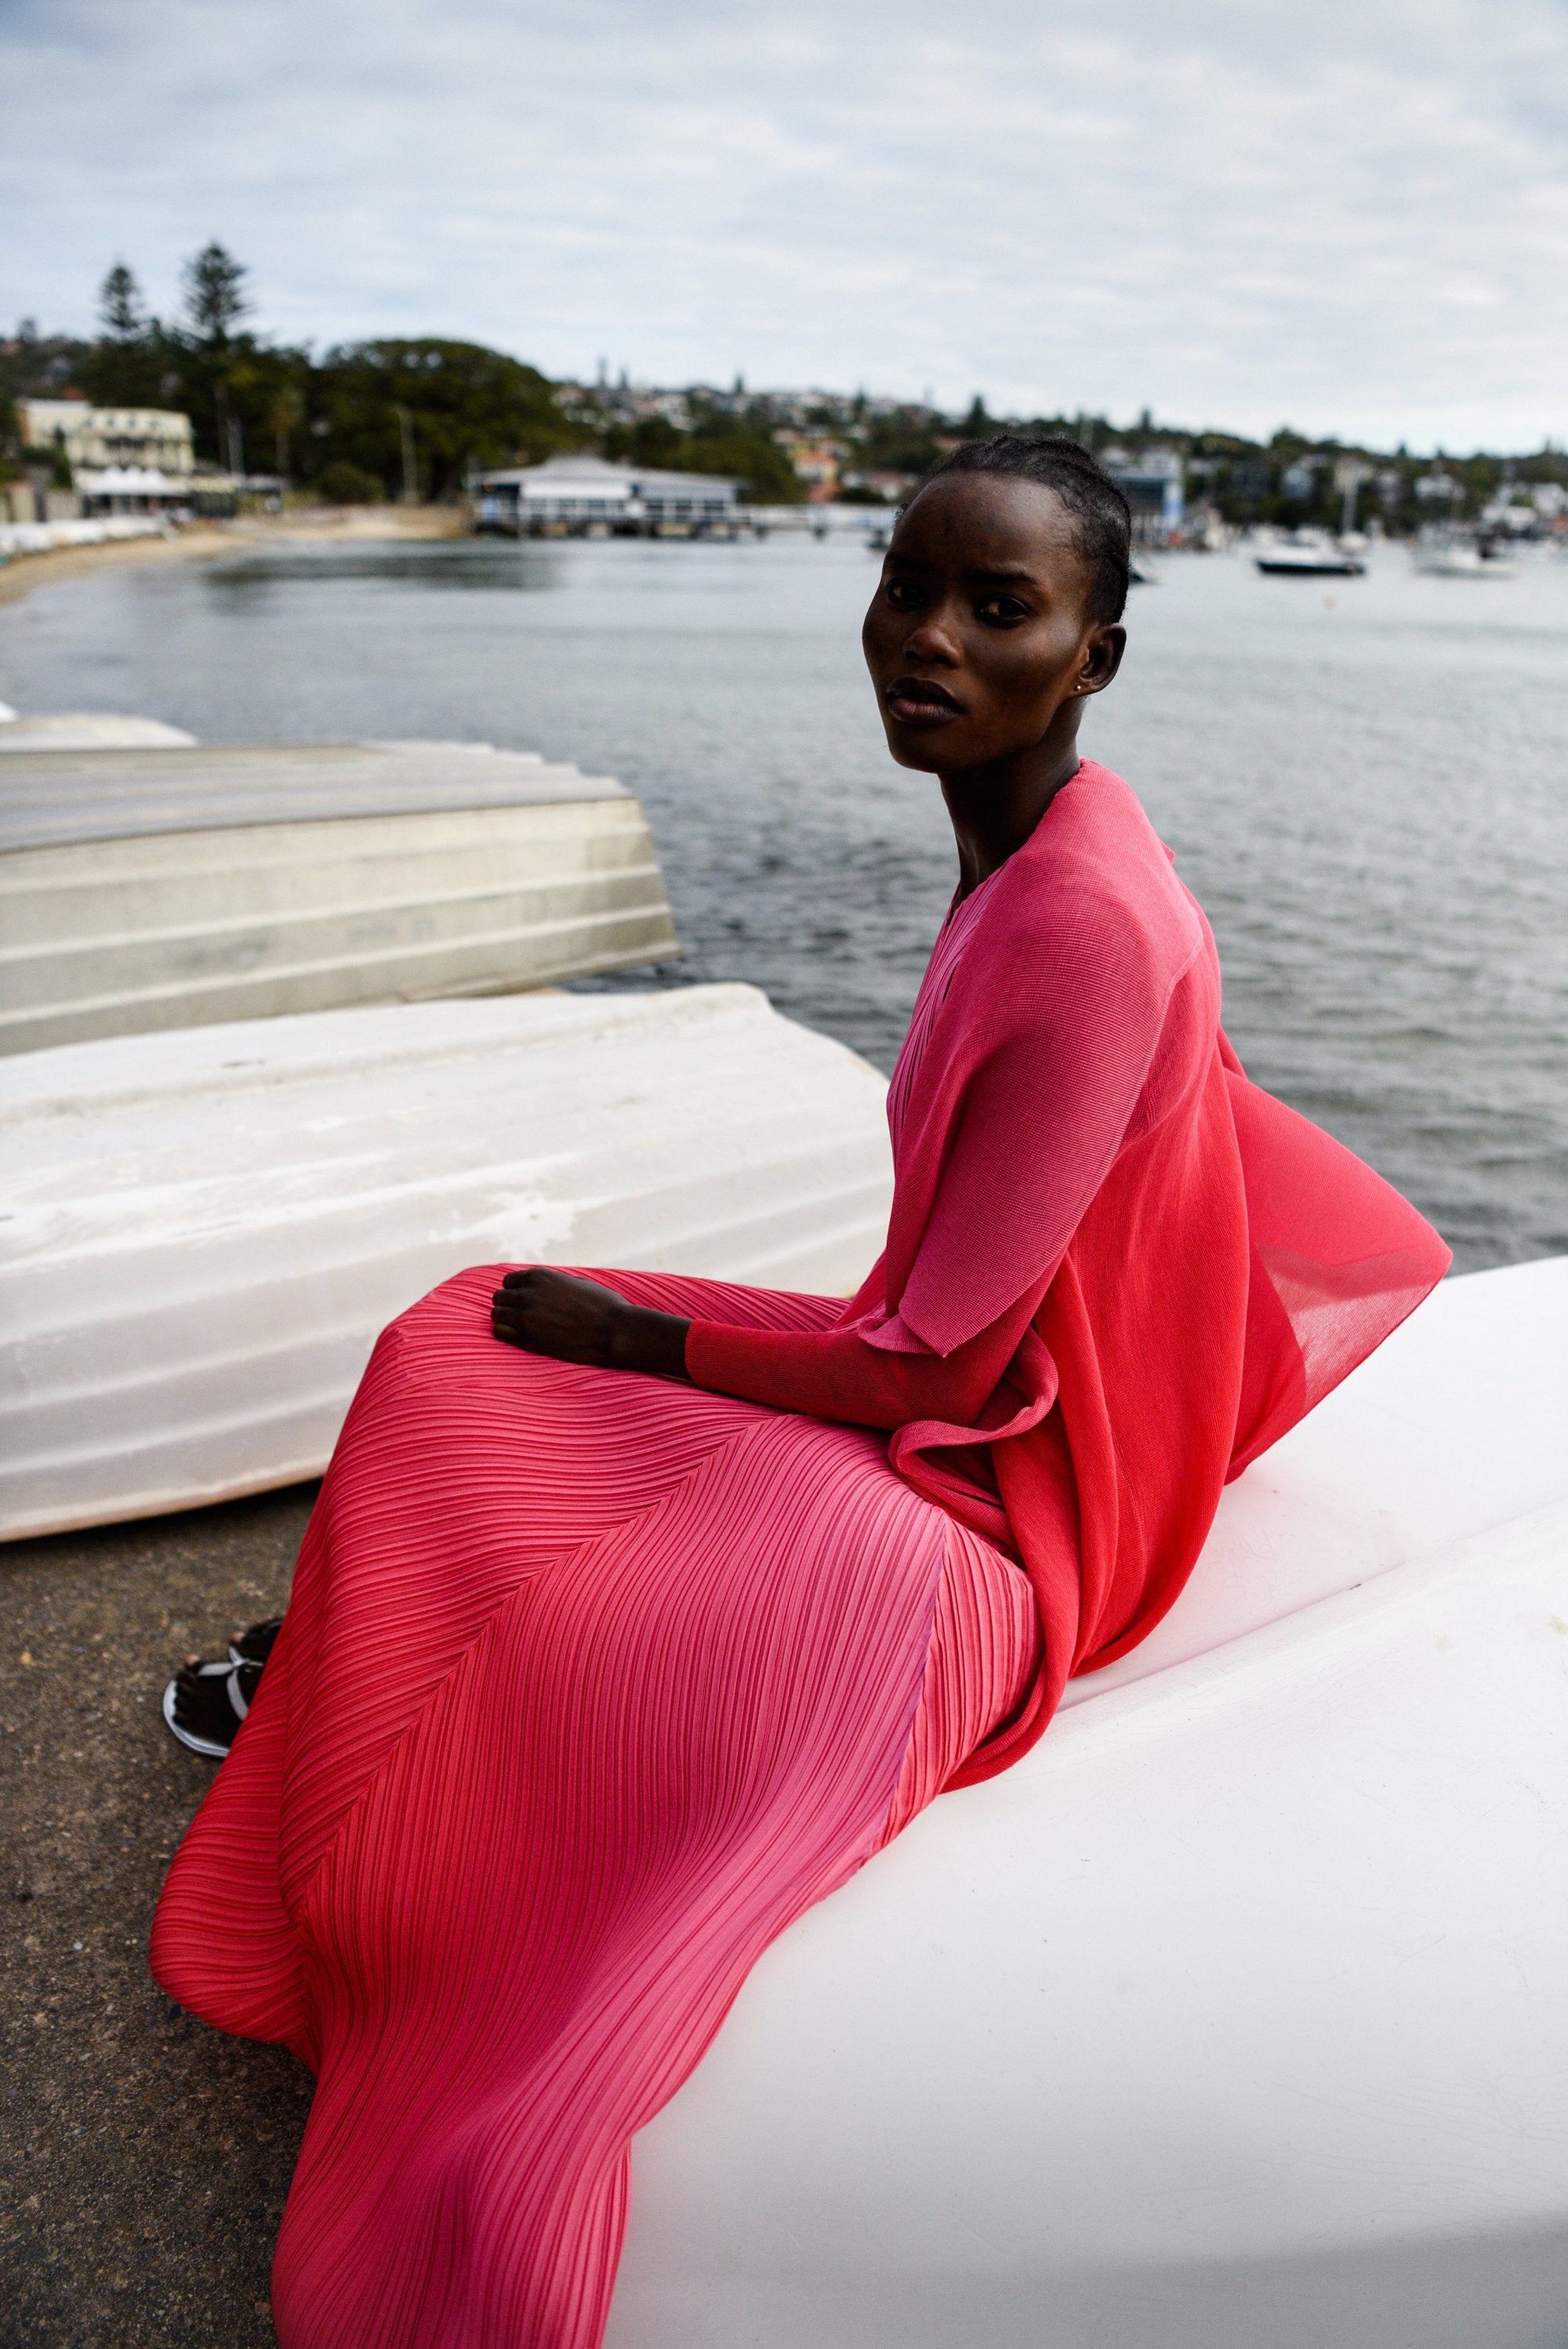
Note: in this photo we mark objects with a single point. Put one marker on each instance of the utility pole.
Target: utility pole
(410, 472)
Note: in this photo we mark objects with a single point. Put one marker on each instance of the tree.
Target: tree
(285, 415)
(121, 309)
(766, 476)
(215, 297)
(466, 406)
(342, 484)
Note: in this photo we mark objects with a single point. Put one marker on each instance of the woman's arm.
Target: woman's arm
(830, 1373)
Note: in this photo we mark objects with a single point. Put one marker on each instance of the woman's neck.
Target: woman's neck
(994, 810)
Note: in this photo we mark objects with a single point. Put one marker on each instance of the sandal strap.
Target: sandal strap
(270, 1630)
(237, 1697)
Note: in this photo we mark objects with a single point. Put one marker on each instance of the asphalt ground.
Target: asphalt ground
(144, 2159)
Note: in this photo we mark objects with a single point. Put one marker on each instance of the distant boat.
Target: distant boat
(1441, 553)
(1309, 557)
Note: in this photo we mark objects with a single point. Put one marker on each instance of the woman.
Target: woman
(614, 1645)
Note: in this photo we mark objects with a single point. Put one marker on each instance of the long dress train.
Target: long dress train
(565, 1727)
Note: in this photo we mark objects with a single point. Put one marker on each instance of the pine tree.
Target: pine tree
(215, 297)
(120, 308)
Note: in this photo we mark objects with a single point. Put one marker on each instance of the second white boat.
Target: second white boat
(205, 1229)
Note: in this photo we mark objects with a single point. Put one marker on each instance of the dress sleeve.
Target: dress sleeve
(1072, 1052)
(840, 1374)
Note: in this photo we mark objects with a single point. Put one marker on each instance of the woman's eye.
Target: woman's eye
(900, 592)
(1001, 607)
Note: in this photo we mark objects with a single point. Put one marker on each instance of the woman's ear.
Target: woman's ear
(1102, 651)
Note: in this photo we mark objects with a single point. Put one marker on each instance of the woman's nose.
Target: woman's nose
(931, 639)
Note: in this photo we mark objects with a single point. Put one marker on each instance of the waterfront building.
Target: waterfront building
(579, 493)
(1151, 482)
(122, 459)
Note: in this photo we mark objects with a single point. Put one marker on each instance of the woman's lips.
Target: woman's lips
(914, 703)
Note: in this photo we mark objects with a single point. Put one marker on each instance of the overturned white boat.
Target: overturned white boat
(203, 1231)
(160, 886)
(87, 730)
(1234, 2014)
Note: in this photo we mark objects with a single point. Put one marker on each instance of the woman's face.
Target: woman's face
(977, 636)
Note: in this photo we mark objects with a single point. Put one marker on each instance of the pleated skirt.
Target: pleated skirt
(589, 1685)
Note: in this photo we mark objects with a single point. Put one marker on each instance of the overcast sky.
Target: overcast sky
(1351, 215)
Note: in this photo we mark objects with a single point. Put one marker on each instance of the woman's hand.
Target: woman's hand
(577, 1320)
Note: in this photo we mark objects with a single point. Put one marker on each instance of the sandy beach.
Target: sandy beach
(204, 541)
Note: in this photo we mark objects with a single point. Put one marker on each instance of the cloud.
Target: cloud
(1352, 218)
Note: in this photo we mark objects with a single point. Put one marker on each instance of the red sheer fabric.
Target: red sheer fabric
(1116, 1271)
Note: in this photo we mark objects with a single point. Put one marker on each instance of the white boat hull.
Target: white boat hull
(1464, 562)
(142, 890)
(206, 1229)
(87, 730)
(1235, 2013)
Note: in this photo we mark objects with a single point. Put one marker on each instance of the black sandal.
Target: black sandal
(254, 1646)
(241, 1680)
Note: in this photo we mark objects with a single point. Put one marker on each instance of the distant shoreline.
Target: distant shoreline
(205, 540)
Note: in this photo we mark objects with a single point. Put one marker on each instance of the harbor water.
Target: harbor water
(1366, 782)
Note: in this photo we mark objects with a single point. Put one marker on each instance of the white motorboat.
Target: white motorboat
(1308, 554)
(155, 887)
(204, 1230)
(1443, 554)
(1235, 2013)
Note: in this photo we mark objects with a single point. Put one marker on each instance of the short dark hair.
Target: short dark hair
(1103, 519)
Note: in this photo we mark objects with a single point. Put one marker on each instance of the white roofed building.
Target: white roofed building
(575, 494)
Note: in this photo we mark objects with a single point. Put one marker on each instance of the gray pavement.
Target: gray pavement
(144, 2159)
